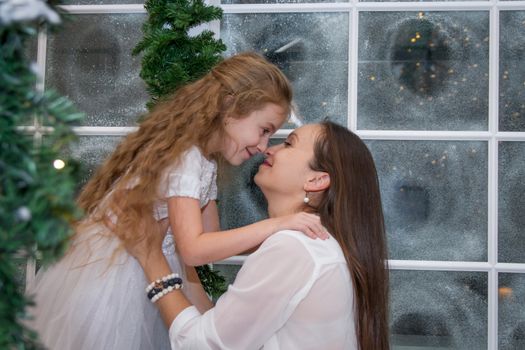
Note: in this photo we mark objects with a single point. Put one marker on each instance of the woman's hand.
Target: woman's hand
(309, 224)
(151, 246)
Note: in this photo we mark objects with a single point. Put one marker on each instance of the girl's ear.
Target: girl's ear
(227, 102)
(319, 181)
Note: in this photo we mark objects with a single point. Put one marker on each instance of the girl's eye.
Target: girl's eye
(287, 144)
(266, 131)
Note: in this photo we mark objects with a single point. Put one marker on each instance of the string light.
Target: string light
(59, 164)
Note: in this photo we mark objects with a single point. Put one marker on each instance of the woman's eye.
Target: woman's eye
(287, 144)
(266, 131)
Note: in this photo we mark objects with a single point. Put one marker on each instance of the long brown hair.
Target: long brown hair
(351, 210)
(234, 88)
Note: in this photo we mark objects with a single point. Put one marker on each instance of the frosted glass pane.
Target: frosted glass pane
(277, 1)
(240, 201)
(434, 197)
(438, 310)
(512, 71)
(423, 70)
(20, 278)
(511, 311)
(101, 2)
(91, 151)
(511, 202)
(311, 49)
(229, 272)
(413, 0)
(90, 61)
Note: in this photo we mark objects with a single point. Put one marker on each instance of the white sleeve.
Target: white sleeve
(268, 288)
(184, 180)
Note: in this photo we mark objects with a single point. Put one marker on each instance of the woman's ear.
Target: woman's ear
(319, 181)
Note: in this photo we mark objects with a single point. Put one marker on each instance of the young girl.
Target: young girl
(93, 298)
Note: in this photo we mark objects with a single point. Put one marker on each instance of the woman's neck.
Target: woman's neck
(281, 206)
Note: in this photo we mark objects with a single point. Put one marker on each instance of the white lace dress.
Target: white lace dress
(94, 300)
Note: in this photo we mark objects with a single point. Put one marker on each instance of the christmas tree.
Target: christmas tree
(37, 187)
(172, 57)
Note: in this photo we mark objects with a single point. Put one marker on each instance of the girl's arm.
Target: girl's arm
(197, 248)
(210, 221)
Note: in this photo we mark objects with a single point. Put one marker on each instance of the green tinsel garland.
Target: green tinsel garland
(37, 195)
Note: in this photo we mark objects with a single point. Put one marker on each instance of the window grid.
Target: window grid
(493, 136)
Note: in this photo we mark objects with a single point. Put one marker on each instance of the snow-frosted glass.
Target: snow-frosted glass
(311, 49)
(90, 61)
(101, 2)
(512, 71)
(423, 70)
(511, 202)
(229, 272)
(91, 151)
(414, 0)
(438, 310)
(511, 314)
(240, 201)
(434, 196)
(277, 1)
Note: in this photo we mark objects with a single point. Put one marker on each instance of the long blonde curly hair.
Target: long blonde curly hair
(234, 88)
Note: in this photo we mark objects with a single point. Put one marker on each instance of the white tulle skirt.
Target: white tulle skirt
(94, 300)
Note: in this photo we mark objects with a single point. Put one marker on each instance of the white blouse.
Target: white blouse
(294, 292)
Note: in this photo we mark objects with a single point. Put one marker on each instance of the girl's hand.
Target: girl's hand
(309, 224)
(151, 247)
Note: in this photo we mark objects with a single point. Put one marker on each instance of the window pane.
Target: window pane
(434, 197)
(511, 318)
(240, 201)
(101, 2)
(511, 202)
(90, 61)
(512, 71)
(311, 48)
(277, 1)
(21, 269)
(423, 70)
(229, 272)
(438, 310)
(412, 0)
(91, 151)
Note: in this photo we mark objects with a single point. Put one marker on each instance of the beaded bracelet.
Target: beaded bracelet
(159, 288)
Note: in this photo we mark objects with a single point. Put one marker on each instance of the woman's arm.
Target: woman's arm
(197, 247)
(271, 283)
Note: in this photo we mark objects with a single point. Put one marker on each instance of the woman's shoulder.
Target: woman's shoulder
(320, 250)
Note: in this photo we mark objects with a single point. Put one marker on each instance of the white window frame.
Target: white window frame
(492, 136)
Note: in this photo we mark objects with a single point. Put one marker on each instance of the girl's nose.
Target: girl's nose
(263, 145)
(271, 150)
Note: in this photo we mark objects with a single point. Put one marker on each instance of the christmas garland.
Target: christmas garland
(37, 187)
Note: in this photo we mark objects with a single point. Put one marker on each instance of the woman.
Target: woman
(294, 292)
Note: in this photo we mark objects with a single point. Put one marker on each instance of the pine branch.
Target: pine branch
(172, 58)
